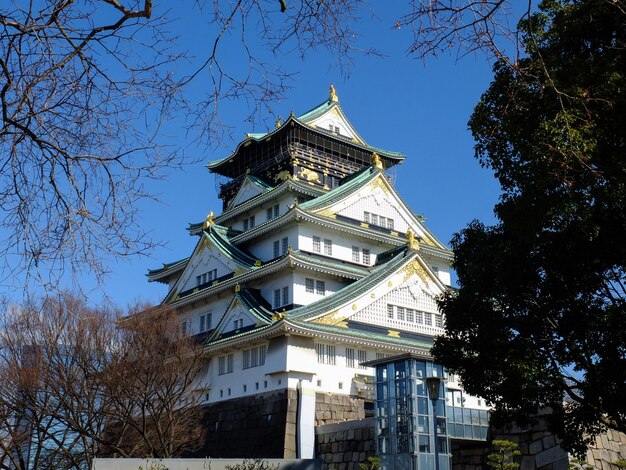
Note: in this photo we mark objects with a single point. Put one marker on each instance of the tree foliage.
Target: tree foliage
(503, 455)
(539, 319)
(73, 385)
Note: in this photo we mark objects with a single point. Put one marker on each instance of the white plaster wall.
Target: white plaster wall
(302, 297)
(377, 203)
(342, 244)
(268, 284)
(260, 213)
(217, 307)
(338, 378)
(263, 247)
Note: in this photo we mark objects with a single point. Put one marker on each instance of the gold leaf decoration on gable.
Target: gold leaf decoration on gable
(327, 213)
(393, 333)
(415, 268)
(332, 318)
(378, 183)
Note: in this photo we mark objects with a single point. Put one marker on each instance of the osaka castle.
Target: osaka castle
(314, 270)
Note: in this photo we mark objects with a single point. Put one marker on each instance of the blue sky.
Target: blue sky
(395, 102)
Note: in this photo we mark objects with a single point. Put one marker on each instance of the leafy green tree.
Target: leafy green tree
(539, 318)
(503, 455)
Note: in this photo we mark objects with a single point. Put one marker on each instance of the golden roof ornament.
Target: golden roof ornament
(376, 161)
(209, 220)
(279, 122)
(412, 240)
(333, 94)
(237, 288)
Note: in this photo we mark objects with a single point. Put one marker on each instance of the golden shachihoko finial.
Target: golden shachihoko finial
(333, 93)
(376, 161)
(279, 122)
(209, 220)
(412, 240)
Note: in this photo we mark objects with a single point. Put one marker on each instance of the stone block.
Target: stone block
(562, 464)
(606, 465)
(548, 441)
(350, 434)
(604, 455)
(342, 466)
(549, 456)
(528, 463)
(605, 441)
(358, 434)
(337, 457)
(355, 457)
(335, 447)
(614, 446)
(535, 447)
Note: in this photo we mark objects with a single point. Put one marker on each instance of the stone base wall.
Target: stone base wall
(608, 448)
(259, 426)
(540, 449)
(342, 446)
(330, 408)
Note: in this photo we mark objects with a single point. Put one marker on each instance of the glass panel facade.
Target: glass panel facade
(408, 436)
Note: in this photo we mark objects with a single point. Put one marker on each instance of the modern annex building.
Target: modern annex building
(314, 267)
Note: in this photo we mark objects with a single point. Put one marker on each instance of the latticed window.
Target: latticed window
(320, 287)
(225, 364)
(326, 354)
(439, 321)
(285, 244)
(285, 295)
(277, 298)
(400, 313)
(276, 249)
(366, 256)
(356, 254)
(309, 285)
(254, 357)
(389, 311)
(410, 315)
(328, 247)
(362, 358)
(317, 244)
(349, 357)
(428, 319)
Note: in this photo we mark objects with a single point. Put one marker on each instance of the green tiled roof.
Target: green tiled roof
(351, 184)
(168, 266)
(219, 236)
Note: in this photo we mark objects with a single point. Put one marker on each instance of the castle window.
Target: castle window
(272, 212)
(389, 311)
(183, 328)
(362, 358)
(419, 317)
(254, 357)
(400, 313)
(378, 220)
(281, 297)
(245, 224)
(238, 323)
(320, 287)
(326, 354)
(349, 357)
(285, 244)
(276, 249)
(356, 254)
(317, 244)
(225, 364)
(428, 319)
(439, 321)
(410, 315)
(366, 256)
(328, 247)
(309, 285)
(205, 322)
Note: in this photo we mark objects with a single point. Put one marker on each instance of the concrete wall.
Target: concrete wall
(342, 446)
